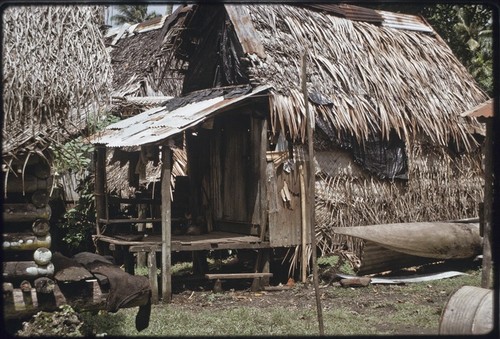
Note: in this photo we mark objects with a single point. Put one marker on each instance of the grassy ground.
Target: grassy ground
(374, 310)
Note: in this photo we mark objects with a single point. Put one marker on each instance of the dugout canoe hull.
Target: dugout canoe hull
(437, 240)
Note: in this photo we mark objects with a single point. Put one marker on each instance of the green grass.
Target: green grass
(346, 311)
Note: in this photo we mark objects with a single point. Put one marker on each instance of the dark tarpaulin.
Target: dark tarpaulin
(386, 159)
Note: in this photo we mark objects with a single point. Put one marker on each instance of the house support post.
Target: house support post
(100, 185)
(311, 195)
(487, 270)
(166, 234)
(259, 145)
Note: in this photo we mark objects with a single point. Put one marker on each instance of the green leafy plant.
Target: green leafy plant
(73, 156)
(78, 222)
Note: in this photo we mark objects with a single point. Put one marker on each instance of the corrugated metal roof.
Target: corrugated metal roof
(158, 124)
(405, 21)
(350, 12)
(151, 24)
(150, 100)
(384, 18)
(484, 110)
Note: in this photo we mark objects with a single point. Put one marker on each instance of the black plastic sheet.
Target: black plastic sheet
(387, 159)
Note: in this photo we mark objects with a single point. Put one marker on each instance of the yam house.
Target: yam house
(47, 91)
(390, 144)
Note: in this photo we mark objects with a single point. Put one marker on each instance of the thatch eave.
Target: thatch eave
(377, 78)
(51, 75)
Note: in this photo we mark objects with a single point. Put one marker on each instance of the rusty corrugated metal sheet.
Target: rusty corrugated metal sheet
(159, 124)
(484, 110)
(151, 24)
(378, 259)
(350, 12)
(404, 21)
(245, 30)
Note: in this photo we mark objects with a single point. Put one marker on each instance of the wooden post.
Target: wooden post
(303, 211)
(311, 195)
(141, 227)
(153, 277)
(487, 271)
(100, 185)
(166, 236)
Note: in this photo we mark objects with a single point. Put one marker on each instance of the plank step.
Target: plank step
(237, 275)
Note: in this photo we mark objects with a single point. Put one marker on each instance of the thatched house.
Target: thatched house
(56, 78)
(389, 139)
(386, 92)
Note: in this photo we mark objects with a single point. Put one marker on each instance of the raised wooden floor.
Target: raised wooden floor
(211, 241)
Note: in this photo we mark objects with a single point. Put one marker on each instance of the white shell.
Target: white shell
(42, 256)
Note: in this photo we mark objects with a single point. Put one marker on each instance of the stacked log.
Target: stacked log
(27, 266)
(35, 279)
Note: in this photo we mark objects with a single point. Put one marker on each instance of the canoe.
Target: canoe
(437, 240)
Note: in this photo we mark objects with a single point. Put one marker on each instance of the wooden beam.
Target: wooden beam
(237, 275)
(263, 180)
(166, 235)
(303, 209)
(100, 185)
(29, 183)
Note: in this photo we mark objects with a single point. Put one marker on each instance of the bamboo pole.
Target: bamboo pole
(166, 236)
(311, 172)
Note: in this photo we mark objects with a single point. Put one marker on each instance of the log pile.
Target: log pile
(27, 262)
(35, 279)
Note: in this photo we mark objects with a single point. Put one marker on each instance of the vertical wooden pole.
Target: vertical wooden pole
(487, 271)
(166, 235)
(100, 185)
(303, 211)
(153, 277)
(311, 195)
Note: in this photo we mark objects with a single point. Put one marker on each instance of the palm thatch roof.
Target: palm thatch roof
(56, 73)
(363, 78)
(147, 74)
(143, 60)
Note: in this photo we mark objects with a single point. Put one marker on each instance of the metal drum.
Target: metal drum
(468, 311)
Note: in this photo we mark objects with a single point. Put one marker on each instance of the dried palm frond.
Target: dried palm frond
(408, 81)
(56, 71)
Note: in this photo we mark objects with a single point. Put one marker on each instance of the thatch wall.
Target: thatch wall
(117, 173)
(440, 187)
(55, 65)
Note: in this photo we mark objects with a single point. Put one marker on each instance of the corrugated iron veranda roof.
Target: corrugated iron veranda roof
(173, 117)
